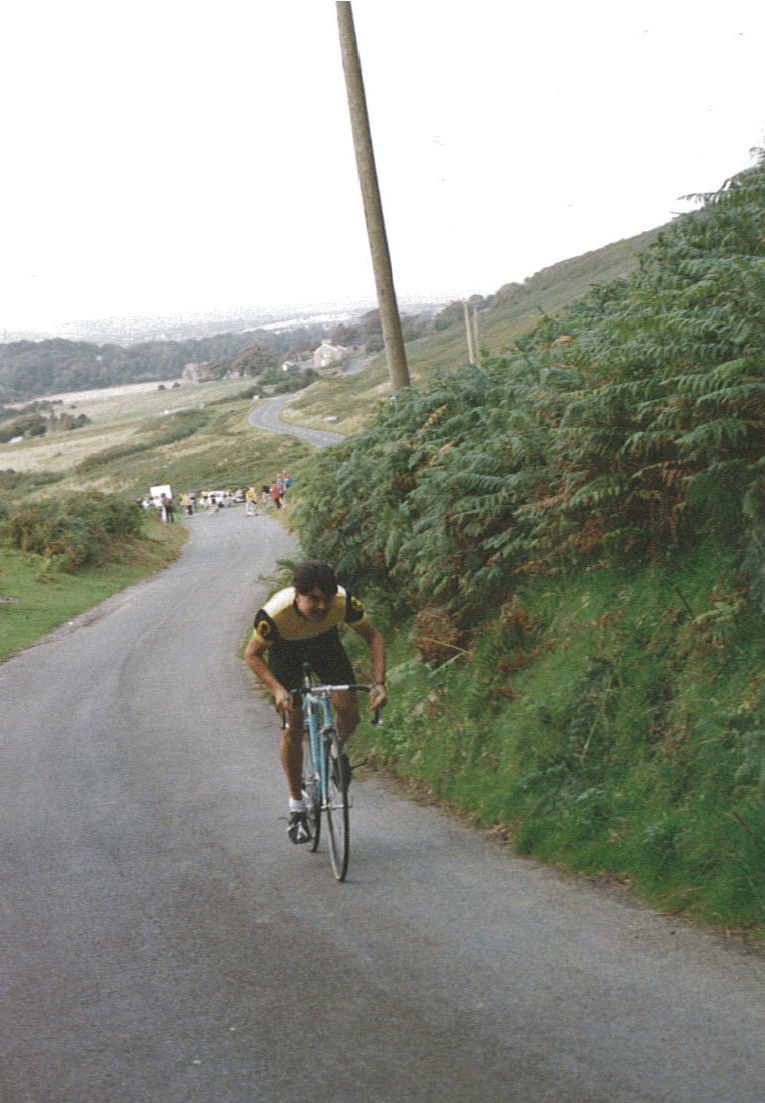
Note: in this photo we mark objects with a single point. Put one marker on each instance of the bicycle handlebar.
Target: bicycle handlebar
(326, 691)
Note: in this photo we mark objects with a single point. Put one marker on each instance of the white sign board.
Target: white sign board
(156, 492)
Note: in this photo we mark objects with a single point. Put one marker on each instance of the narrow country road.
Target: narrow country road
(162, 942)
(266, 416)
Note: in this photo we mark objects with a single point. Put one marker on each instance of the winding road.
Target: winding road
(266, 416)
(162, 942)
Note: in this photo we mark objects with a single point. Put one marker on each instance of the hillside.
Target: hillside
(512, 311)
(30, 369)
(565, 545)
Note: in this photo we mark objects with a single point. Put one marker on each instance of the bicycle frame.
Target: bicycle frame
(327, 758)
(319, 721)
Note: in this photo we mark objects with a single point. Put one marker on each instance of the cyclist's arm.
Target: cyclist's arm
(376, 647)
(253, 656)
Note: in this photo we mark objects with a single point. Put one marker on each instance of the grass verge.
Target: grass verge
(37, 594)
(612, 723)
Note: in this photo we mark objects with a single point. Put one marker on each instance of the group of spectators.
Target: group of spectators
(277, 491)
(271, 495)
(163, 505)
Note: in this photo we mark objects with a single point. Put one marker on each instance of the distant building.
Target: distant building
(190, 373)
(196, 373)
(327, 355)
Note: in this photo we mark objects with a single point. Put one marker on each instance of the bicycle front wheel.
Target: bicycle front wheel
(338, 816)
(312, 790)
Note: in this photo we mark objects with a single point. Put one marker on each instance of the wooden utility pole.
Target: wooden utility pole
(468, 333)
(370, 194)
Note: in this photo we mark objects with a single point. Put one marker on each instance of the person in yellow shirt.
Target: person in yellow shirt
(300, 625)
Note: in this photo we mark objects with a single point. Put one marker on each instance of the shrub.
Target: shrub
(81, 530)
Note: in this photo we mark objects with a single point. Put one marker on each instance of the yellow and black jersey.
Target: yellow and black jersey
(280, 620)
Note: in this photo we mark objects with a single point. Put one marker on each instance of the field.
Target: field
(36, 595)
(194, 438)
(191, 437)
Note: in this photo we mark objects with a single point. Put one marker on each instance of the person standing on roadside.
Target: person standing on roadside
(168, 513)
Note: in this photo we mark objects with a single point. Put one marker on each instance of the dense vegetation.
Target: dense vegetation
(575, 532)
(79, 530)
(35, 424)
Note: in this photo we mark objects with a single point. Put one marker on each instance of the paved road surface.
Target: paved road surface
(162, 942)
(266, 416)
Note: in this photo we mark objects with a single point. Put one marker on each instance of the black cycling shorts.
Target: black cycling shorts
(325, 653)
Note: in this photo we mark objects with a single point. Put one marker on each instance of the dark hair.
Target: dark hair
(314, 573)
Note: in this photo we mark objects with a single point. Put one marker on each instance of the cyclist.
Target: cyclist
(297, 625)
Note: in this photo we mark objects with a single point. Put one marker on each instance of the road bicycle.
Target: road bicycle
(325, 779)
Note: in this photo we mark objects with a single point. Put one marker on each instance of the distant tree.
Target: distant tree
(255, 360)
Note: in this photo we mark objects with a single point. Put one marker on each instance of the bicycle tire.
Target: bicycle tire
(312, 790)
(337, 809)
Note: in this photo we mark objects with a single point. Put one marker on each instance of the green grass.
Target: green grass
(37, 595)
(208, 448)
(607, 729)
(191, 450)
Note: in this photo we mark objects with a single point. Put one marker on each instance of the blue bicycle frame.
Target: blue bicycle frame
(320, 723)
(325, 782)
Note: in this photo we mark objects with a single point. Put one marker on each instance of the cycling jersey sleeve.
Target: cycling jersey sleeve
(354, 609)
(265, 628)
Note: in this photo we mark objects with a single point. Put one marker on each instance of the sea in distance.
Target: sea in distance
(190, 325)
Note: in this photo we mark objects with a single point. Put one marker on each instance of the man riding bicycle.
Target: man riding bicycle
(300, 625)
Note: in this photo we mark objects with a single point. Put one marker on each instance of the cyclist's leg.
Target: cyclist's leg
(285, 661)
(291, 753)
(346, 707)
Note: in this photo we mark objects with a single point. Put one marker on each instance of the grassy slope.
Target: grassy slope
(121, 453)
(604, 727)
(37, 595)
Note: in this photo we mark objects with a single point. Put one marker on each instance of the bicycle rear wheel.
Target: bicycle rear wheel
(312, 790)
(338, 817)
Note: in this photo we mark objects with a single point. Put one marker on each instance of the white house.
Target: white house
(326, 355)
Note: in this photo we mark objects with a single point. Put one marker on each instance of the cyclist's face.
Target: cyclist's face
(314, 605)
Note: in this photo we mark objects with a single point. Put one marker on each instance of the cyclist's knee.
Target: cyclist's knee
(347, 713)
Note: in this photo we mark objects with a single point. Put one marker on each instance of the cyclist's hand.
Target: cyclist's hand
(283, 699)
(378, 698)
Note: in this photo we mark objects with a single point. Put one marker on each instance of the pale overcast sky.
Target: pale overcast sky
(164, 156)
